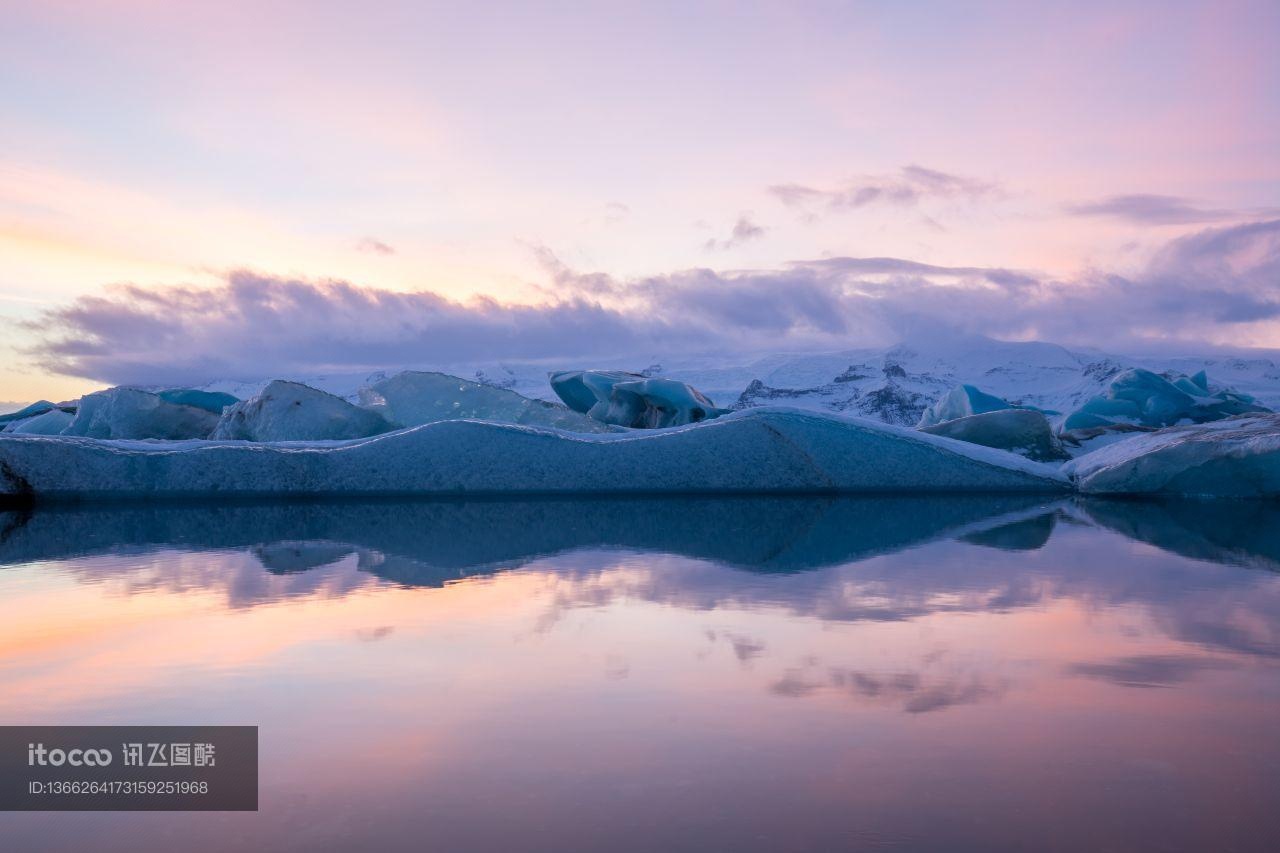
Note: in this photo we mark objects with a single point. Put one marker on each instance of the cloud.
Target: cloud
(1207, 286)
(1147, 670)
(912, 692)
(615, 211)
(744, 231)
(910, 186)
(1144, 209)
(369, 244)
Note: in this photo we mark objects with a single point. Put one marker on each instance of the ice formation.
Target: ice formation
(414, 398)
(962, 401)
(757, 451)
(1022, 431)
(51, 422)
(632, 400)
(210, 401)
(582, 389)
(1234, 457)
(291, 411)
(38, 408)
(1139, 397)
(130, 413)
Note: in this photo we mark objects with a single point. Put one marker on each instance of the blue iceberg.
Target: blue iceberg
(291, 411)
(1232, 457)
(51, 422)
(210, 401)
(1025, 432)
(1141, 398)
(414, 398)
(763, 450)
(962, 401)
(37, 408)
(633, 400)
(127, 413)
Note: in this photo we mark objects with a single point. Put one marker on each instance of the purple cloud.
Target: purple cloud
(909, 187)
(744, 231)
(1145, 209)
(1202, 285)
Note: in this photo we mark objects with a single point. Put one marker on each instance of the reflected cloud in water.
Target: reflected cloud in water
(831, 559)
(958, 673)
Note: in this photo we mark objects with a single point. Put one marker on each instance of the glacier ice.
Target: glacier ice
(633, 400)
(414, 398)
(582, 389)
(1142, 398)
(51, 422)
(758, 451)
(962, 401)
(130, 413)
(1025, 432)
(37, 408)
(291, 411)
(210, 401)
(1233, 457)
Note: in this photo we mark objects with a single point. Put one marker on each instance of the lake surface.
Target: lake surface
(734, 674)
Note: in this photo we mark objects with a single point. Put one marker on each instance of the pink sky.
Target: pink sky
(410, 147)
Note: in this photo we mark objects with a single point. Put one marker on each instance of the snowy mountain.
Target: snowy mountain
(894, 385)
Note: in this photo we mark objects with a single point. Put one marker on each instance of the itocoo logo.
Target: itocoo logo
(38, 755)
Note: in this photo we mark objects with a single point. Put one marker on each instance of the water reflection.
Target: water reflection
(750, 674)
(431, 542)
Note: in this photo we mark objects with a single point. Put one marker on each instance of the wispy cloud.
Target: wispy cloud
(1146, 209)
(1148, 670)
(377, 247)
(1206, 286)
(744, 231)
(615, 211)
(909, 187)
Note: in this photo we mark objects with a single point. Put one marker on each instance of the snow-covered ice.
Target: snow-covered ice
(290, 411)
(414, 398)
(1235, 457)
(633, 400)
(1023, 431)
(760, 451)
(128, 413)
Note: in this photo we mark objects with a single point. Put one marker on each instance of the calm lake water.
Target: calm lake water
(655, 675)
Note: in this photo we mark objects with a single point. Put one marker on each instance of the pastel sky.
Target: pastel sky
(373, 182)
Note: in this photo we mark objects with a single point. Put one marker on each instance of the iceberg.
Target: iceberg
(962, 401)
(37, 408)
(123, 413)
(1025, 432)
(582, 389)
(1234, 457)
(764, 450)
(51, 422)
(414, 398)
(291, 411)
(1141, 398)
(632, 400)
(210, 401)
